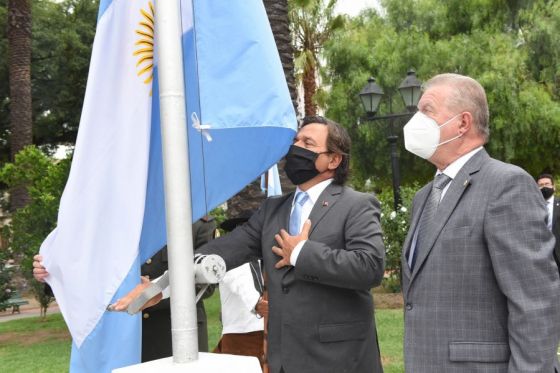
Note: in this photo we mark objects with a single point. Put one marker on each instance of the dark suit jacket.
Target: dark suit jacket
(321, 310)
(556, 229)
(484, 296)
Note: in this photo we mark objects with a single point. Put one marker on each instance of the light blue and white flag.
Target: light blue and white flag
(111, 218)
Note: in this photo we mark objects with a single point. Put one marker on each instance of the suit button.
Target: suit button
(149, 261)
(146, 315)
(285, 290)
(409, 306)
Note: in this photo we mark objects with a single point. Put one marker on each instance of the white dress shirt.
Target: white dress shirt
(314, 192)
(239, 297)
(550, 207)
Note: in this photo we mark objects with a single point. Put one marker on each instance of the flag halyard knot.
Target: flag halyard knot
(202, 128)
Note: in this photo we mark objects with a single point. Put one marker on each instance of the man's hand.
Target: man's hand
(39, 272)
(287, 244)
(262, 307)
(123, 303)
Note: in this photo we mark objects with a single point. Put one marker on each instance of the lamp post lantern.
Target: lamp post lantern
(371, 95)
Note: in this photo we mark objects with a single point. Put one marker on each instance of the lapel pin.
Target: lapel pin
(325, 203)
(466, 183)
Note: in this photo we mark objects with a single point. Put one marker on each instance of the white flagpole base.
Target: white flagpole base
(206, 363)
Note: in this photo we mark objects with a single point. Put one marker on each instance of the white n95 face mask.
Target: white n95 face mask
(422, 133)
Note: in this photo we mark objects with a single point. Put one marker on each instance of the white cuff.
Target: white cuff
(165, 292)
(295, 253)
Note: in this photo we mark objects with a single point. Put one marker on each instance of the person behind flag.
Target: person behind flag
(322, 250)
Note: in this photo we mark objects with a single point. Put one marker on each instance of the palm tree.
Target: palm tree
(313, 22)
(19, 61)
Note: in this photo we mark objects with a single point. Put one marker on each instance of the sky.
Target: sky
(353, 7)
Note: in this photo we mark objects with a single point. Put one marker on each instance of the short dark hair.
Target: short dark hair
(338, 141)
(546, 176)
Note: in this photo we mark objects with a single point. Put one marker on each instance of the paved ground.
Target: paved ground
(29, 310)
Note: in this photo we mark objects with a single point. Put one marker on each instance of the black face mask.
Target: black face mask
(547, 192)
(300, 165)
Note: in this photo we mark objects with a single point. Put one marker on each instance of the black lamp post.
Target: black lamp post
(410, 90)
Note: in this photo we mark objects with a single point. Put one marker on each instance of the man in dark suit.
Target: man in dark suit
(156, 320)
(546, 185)
(322, 251)
(479, 280)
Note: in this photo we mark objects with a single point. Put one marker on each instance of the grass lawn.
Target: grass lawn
(33, 345)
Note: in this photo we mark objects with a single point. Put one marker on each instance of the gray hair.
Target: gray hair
(467, 95)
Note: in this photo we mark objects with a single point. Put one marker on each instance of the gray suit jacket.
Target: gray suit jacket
(484, 297)
(321, 310)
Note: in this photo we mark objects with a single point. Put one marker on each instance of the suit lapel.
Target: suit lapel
(555, 212)
(556, 219)
(324, 203)
(460, 184)
(284, 213)
(421, 198)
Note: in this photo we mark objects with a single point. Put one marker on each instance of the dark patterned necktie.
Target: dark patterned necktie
(427, 217)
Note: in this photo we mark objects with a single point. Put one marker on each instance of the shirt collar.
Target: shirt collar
(315, 191)
(453, 169)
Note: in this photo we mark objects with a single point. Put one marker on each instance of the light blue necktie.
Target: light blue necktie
(295, 217)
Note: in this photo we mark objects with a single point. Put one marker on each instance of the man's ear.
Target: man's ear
(466, 122)
(334, 161)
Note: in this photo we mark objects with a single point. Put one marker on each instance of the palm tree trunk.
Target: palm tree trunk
(19, 60)
(309, 90)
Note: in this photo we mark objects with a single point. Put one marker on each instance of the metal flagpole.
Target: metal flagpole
(176, 180)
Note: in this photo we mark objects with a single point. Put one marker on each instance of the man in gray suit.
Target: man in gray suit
(479, 280)
(321, 255)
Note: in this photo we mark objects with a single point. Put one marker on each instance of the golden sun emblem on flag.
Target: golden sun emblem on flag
(145, 44)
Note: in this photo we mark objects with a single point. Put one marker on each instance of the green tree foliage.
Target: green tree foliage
(63, 34)
(44, 180)
(312, 23)
(510, 47)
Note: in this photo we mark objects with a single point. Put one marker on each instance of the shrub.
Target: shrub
(44, 179)
(395, 226)
(6, 284)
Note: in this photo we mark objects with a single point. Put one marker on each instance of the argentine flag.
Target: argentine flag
(111, 217)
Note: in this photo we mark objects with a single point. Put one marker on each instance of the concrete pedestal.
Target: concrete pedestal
(206, 363)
